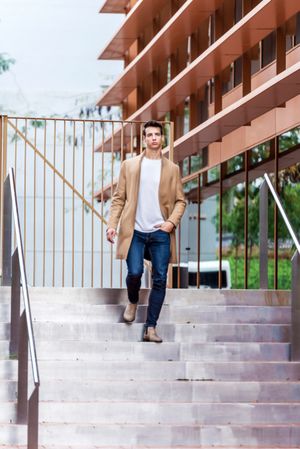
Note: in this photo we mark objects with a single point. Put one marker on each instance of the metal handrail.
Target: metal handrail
(21, 335)
(295, 287)
(24, 285)
(282, 211)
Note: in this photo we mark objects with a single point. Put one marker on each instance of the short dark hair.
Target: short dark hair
(153, 124)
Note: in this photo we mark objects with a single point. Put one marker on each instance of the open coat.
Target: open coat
(124, 202)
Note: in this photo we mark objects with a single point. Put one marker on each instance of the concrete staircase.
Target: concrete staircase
(222, 377)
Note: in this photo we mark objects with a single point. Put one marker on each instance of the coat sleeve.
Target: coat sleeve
(180, 202)
(118, 199)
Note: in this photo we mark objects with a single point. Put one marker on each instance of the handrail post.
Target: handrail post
(263, 236)
(295, 338)
(33, 420)
(6, 239)
(15, 307)
(22, 407)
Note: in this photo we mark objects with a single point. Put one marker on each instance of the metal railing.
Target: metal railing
(295, 287)
(66, 171)
(21, 328)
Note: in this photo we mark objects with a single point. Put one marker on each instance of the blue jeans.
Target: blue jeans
(157, 244)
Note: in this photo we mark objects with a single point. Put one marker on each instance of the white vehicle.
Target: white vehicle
(209, 273)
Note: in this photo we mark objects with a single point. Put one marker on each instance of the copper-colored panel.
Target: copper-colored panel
(258, 133)
(114, 6)
(239, 39)
(140, 15)
(263, 128)
(271, 94)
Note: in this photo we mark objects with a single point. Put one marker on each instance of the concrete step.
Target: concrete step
(173, 370)
(140, 351)
(168, 391)
(75, 446)
(8, 390)
(156, 436)
(173, 296)
(177, 314)
(214, 332)
(159, 391)
(185, 371)
(166, 413)
(159, 413)
(170, 332)
(4, 348)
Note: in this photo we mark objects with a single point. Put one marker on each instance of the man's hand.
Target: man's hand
(166, 226)
(110, 235)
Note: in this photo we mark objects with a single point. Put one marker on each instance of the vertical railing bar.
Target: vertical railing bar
(179, 251)
(171, 144)
(93, 202)
(102, 207)
(141, 138)
(263, 235)
(111, 194)
(22, 412)
(5, 149)
(63, 207)
(131, 139)
(34, 209)
(82, 207)
(6, 234)
(220, 226)
(1, 184)
(3, 162)
(276, 215)
(295, 307)
(198, 232)
(73, 205)
(15, 306)
(25, 186)
(54, 211)
(44, 224)
(16, 149)
(246, 218)
(16, 160)
(121, 160)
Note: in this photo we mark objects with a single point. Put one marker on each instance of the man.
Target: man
(150, 201)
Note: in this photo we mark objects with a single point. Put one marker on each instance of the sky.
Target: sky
(55, 44)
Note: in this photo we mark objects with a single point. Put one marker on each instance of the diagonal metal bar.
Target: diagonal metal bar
(282, 211)
(24, 279)
(54, 169)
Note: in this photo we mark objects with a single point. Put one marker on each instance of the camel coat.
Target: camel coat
(124, 202)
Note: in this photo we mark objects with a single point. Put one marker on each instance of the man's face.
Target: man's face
(153, 138)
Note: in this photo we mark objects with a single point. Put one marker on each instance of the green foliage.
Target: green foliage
(289, 139)
(5, 62)
(237, 266)
(38, 123)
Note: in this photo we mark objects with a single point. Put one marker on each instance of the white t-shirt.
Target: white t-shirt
(148, 213)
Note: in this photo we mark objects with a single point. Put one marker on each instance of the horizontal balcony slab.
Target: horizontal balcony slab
(132, 27)
(266, 97)
(180, 26)
(114, 6)
(239, 39)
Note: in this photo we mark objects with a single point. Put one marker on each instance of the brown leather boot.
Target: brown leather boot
(130, 312)
(151, 335)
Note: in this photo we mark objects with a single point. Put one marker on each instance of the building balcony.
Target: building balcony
(133, 25)
(237, 41)
(114, 6)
